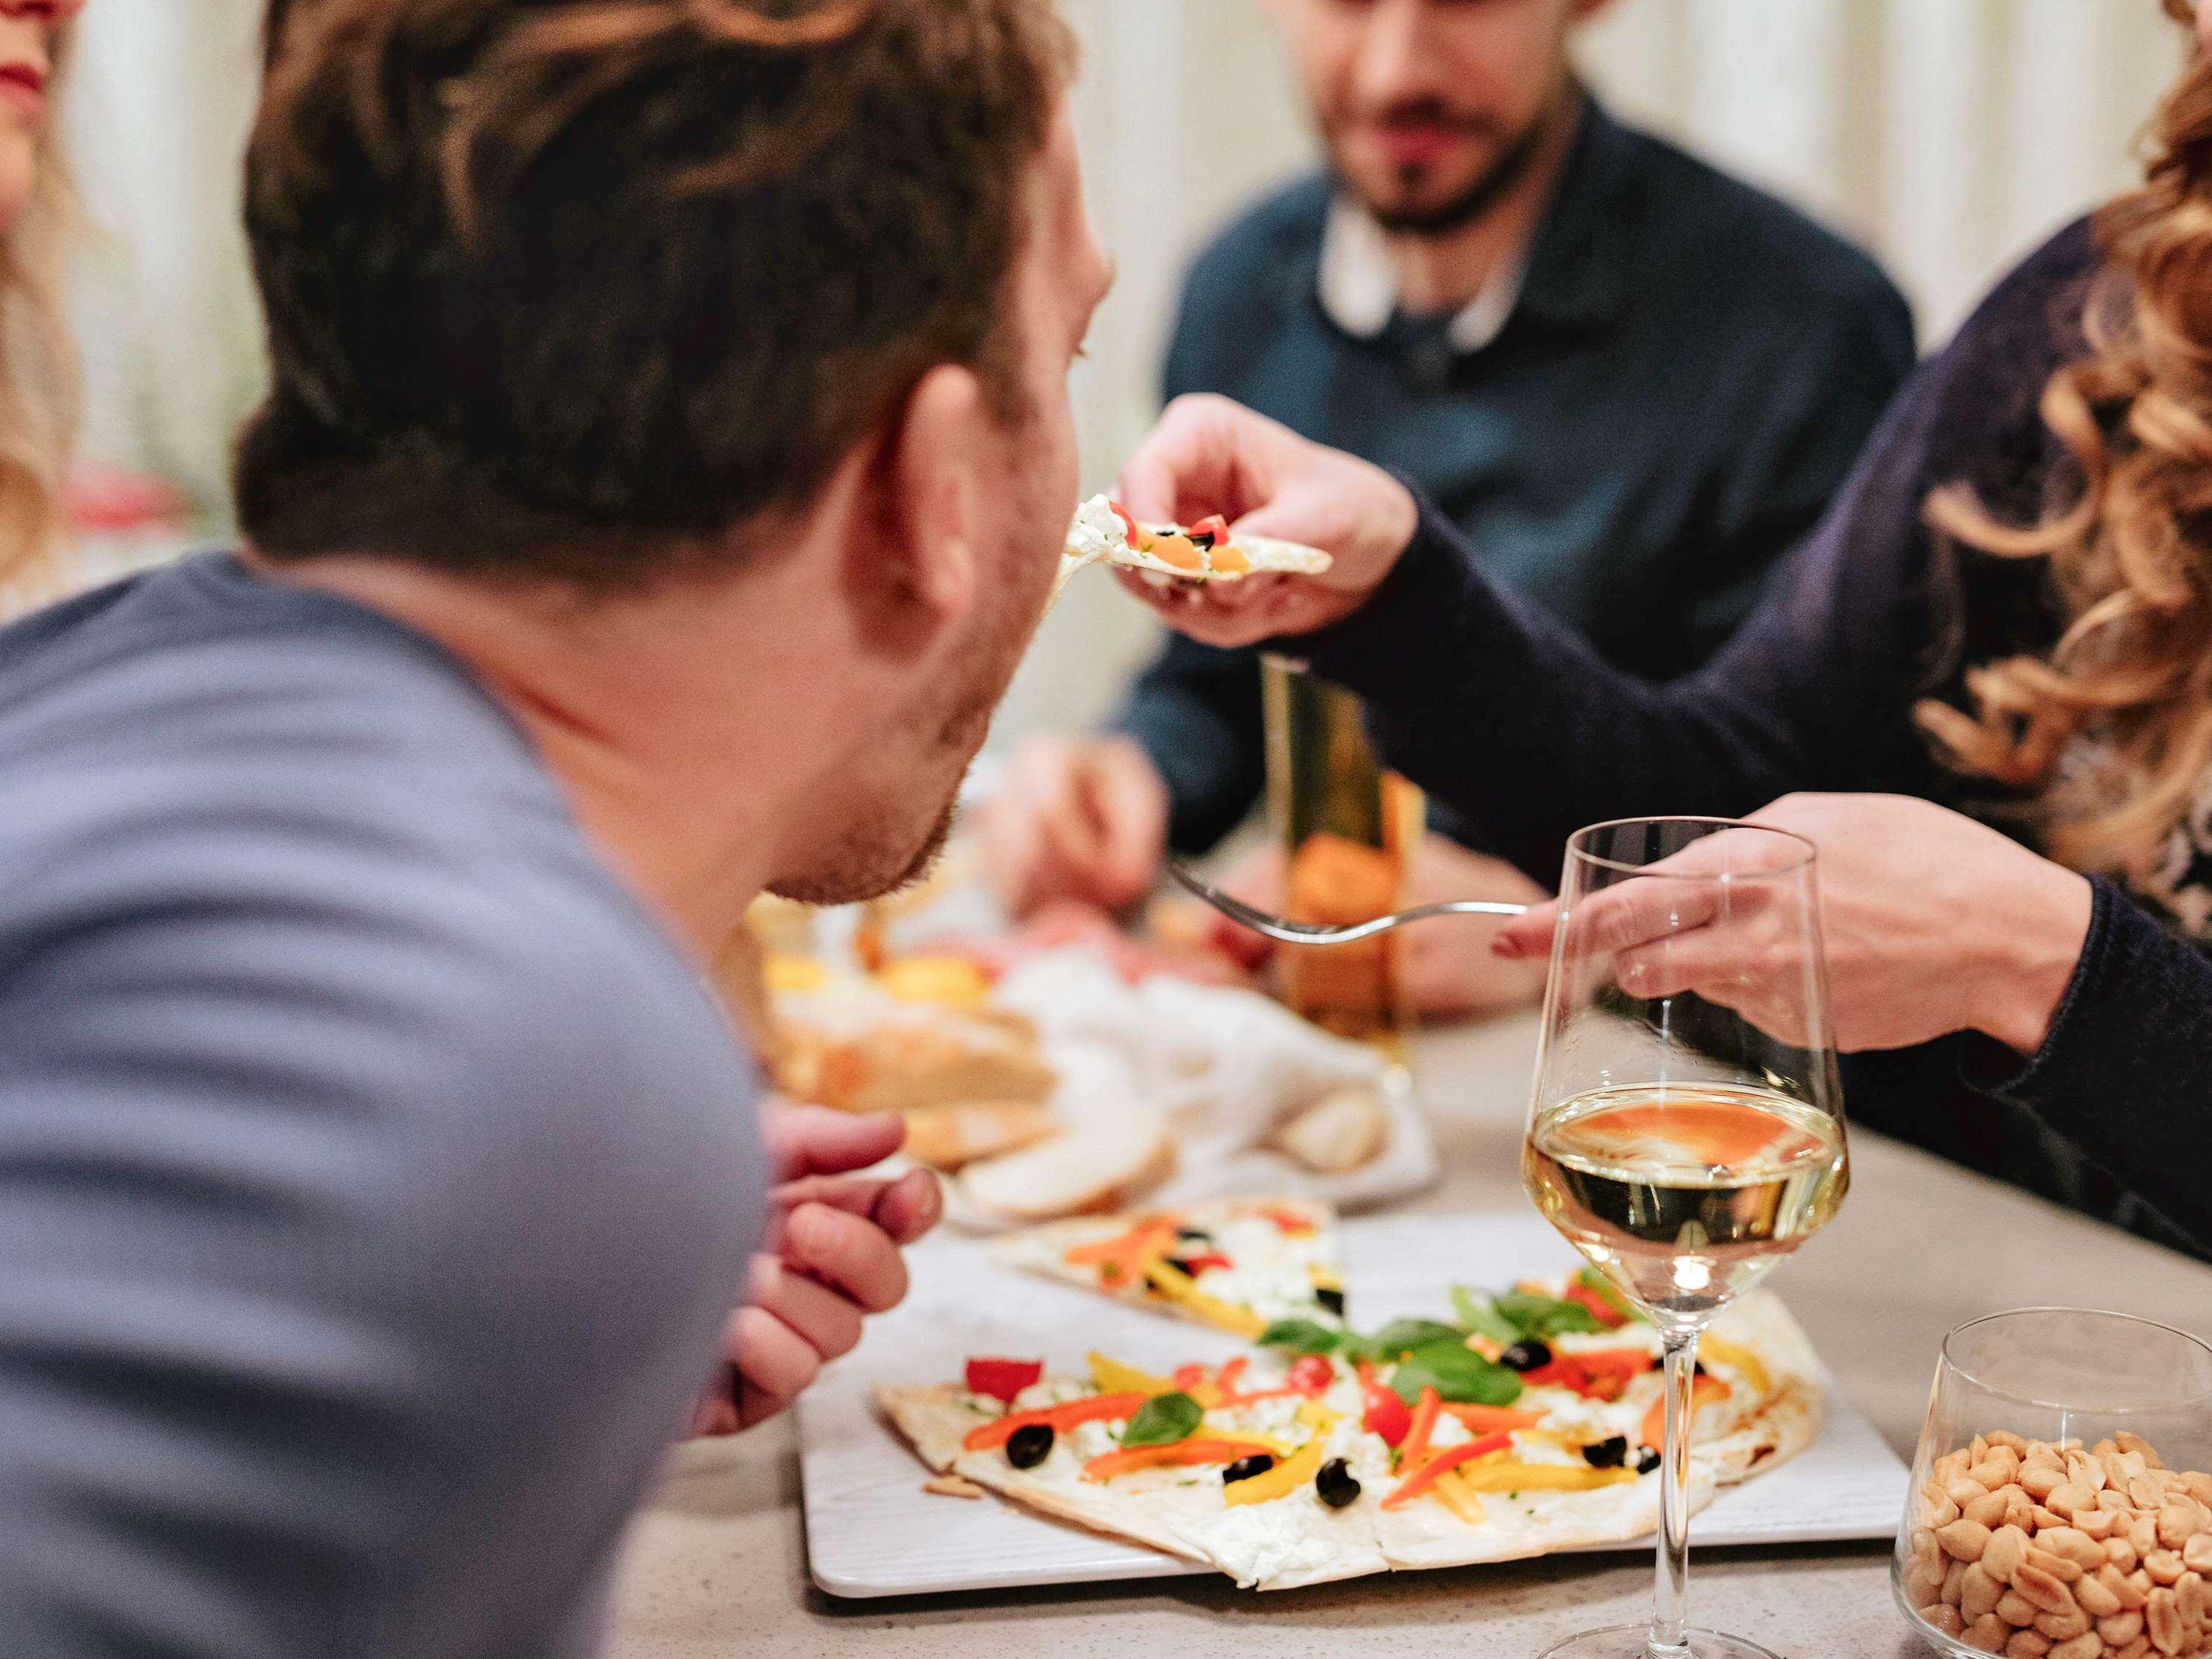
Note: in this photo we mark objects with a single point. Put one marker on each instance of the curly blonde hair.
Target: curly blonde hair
(2131, 558)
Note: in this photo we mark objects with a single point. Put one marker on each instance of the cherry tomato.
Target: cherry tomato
(1312, 1374)
(1387, 1415)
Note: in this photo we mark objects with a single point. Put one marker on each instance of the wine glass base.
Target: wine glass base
(1634, 1641)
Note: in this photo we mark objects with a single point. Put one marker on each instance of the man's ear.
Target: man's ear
(930, 491)
(1586, 10)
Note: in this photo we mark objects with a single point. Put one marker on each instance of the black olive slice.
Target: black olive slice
(1245, 1468)
(1607, 1453)
(1332, 1301)
(1030, 1445)
(1335, 1485)
(1528, 1356)
(1646, 1460)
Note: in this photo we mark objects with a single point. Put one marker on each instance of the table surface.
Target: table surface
(716, 1562)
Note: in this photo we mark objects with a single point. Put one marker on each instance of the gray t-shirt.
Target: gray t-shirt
(375, 1175)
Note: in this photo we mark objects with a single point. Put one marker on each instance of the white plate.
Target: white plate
(872, 1531)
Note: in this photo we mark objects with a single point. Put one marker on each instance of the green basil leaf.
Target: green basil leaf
(1301, 1336)
(1400, 1335)
(1457, 1373)
(1164, 1419)
(1477, 1318)
(1544, 1317)
(1602, 1288)
(1352, 1348)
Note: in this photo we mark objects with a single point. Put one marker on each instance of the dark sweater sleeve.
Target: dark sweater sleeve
(1196, 712)
(2123, 1072)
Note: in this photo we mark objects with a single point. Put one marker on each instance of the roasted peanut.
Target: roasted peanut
(2006, 1550)
(1965, 1541)
(1977, 1449)
(2147, 1494)
(2087, 1645)
(1950, 1467)
(2096, 1524)
(1954, 1582)
(2121, 1628)
(2064, 1626)
(2196, 1554)
(2138, 1649)
(2027, 1644)
(2074, 1544)
(2189, 1597)
(2131, 1595)
(1978, 1593)
(1944, 1618)
(2164, 1566)
(1963, 1492)
(2020, 1508)
(2130, 1441)
(2197, 1485)
(2007, 1437)
(2043, 1560)
(2121, 1554)
(2177, 1522)
(2016, 1609)
(2163, 1622)
(2072, 1496)
(2040, 1480)
(1987, 1634)
(2115, 1503)
(1923, 1585)
(2096, 1598)
(2083, 1470)
(2048, 1594)
(1989, 1509)
(2142, 1533)
(2040, 1517)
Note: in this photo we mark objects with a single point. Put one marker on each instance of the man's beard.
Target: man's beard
(857, 880)
(1510, 166)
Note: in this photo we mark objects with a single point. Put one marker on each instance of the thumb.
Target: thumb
(1529, 935)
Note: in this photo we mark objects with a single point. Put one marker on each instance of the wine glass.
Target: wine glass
(1685, 1140)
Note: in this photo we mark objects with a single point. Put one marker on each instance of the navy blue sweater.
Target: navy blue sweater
(1689, 373)
(1525, 730)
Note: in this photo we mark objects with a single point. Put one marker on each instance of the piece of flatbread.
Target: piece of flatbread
(1272, 1274)
(1296, 1540)
(1098, 536)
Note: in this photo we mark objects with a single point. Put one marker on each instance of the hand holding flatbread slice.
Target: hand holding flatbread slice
(1103, 533)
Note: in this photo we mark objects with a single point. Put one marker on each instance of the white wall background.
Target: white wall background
(1949, 136)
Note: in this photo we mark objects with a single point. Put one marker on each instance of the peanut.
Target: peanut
(2142, 1533)
(2043, 1561)
(1978, 1593)
(2163, 1620)
(2147, 1494)
(2129, 1594)
(2198, 1486)
(2130, 1441)
(1987, 1635)
(1950, 1467)
(2121, 1628)
(2064, 1626)
(2177, 1522)
(1977, 1449)
(2074, 1544)
(2164, 1566)
(1954, 1582)
(2115, 1503)
(2072, 1496)
(1965, 1541)
(1944, 1618)
(1923, 1585)
(2048, 1594)
(2004, 1457)
(2020, 1508)
(2006, 1550)
(2096, 1525)
(2083, 1470)
(2196, 1554)
(2121, 1554)
(2007, 1437)
(2039, 1516)
(2027, 1644)
(1990, 1508)
(2096, 1598)
(2040, 1480)
(2189, 1597)
(2016, 1609)
(2087, 1645)
(1963, 1492)
(2138, 1649)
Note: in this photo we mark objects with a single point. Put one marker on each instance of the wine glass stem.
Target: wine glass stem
(1670, 1600)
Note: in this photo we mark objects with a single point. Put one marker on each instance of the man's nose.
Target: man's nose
(1396, 60)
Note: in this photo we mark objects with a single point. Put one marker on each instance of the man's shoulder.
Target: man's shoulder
(1740, 241)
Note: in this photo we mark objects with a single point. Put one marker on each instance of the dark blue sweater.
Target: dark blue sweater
(1524, 728)
(1688, 374)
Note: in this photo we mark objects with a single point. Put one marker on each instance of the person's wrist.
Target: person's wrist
(2039, 937)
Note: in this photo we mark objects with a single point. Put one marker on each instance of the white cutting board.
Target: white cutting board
(871, 1529)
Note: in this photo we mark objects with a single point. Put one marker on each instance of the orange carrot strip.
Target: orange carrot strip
(1415, 1446)
(1178, 1454)
(1442, 1464)
(1486, 1418)
(1706, 1390)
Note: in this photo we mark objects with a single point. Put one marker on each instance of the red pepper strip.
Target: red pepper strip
(1600, 1309)
(1443, 1464)
(1226, 1382)
(1195, 1265)
(1128, 524)
(1386, 1415)
(1002, 1379)
(1703, 1392)
(1214, 526)
(1177, 1454)
(1099, 1408)
(1563, 1372)
(1187, 1377)
(1616, 1362)
(1423, 1424)
(1230, 1400)
(1486, 1418)
(1290, 1221)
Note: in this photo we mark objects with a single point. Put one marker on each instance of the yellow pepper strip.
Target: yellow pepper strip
(1737, 1358)
(795, 974)
(949, 981)
(1287, 1477)
(1459, 1498)
(1112, 1376)
(1325, 1278)
(1540, 1476)
(1179, 1287)
(1317, 1416)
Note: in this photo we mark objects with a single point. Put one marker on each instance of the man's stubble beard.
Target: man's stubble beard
(1488, 188)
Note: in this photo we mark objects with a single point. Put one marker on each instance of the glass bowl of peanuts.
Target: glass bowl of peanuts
(2059, 1508)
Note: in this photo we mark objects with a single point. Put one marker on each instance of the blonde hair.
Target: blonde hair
(38, 391)
(2130, 559)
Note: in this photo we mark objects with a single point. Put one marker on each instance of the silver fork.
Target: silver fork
(1310, 932)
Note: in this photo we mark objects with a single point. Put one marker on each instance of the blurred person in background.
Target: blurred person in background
(1983, 688)
(37, 366)
(378, 1174)
(1632, 381)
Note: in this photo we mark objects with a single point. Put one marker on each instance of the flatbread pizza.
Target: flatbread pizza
(1238, 1264)
(1104, 533)
(1325, 1455)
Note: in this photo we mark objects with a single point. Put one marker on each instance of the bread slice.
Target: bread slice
(1338, 1132)
(950, 1138)
(1096, 1166)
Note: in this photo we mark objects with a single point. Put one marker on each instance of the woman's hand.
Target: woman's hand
(1933, 924)
(1208, 455)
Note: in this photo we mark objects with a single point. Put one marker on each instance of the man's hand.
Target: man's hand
(1450, 971)
(1208, 455)
(1933, 924)
(1080, 818)
(831, 1256)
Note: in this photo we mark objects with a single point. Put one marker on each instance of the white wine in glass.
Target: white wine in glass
(1684, 1140)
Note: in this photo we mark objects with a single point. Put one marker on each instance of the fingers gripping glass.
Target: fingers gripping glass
(1686, 1128)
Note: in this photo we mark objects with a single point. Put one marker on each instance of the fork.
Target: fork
(1310, 932)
